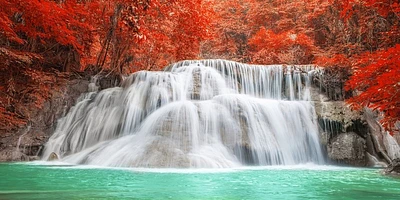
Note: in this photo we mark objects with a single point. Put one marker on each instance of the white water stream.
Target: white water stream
(202, 114)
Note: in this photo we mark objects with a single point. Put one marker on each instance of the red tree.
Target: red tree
(36, 36)
(282, 31)
(173, 33)
(285, 47)
(375, 64)
(230, 29)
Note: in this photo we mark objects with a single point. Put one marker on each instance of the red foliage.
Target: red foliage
(339, 60)
(357, 36)
(230, 31)
(282, 31)
(174, 33)
(383, 7)
(43, 20)
(376, 79)
(376, 70)
(38, 36)
(285, 47)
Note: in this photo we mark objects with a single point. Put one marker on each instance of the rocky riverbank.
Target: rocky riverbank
(354, 138)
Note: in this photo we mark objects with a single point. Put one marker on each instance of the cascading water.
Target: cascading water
(208, 113)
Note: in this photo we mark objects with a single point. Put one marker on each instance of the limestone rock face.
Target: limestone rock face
(337, 111)
(27, 143)
(348, 148)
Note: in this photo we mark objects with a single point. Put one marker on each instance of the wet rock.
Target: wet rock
(324, 138)
(32, 158)
(393, 168)
(343, 131)
(11, 155)
(377, 136)
(246, 154)
(196, 87)
(109, 80)
(348, 148)
(53, 156)
(339, 112)
(372, 161)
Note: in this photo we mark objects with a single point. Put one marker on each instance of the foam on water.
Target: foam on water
(307, 166)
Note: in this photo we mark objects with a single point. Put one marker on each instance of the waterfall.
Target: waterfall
(201, 114)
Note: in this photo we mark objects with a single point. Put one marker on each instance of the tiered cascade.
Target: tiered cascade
(201, 114)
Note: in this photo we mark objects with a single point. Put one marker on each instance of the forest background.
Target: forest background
(45, 41)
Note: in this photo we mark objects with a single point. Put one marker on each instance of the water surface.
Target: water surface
(34, 181)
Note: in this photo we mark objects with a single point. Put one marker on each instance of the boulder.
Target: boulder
(53, 156)
(348, 148)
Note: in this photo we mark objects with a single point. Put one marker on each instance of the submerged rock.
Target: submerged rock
(348, 148)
